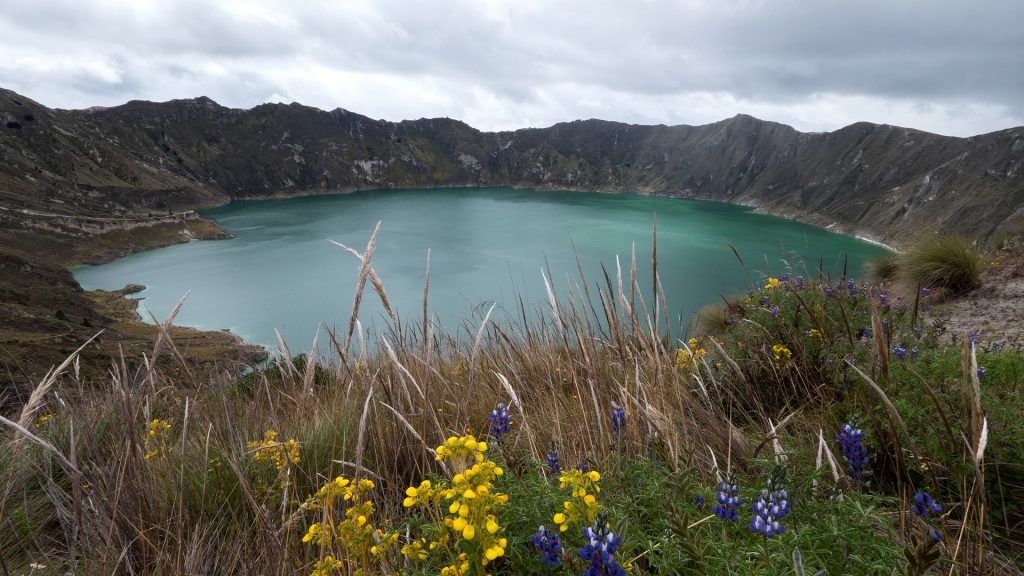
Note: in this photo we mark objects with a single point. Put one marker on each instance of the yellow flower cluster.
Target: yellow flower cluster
(156, 438)
(351, 537)
(471, 501)
(582, 509)
(384, 543)
(815, 333)
(280, 454)
(780, 350)
(414, 550)
(43, 421)
(461, 451)
(772, 283)
(326, 566)
(687, 358)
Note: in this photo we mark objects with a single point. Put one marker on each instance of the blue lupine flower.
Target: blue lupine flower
(883, 299)
(728, 499)
(699, 501)
(800, 283)
(554, 466)
(547, 543)
(924, 505)
(850, 438)
(935, 534)
(914, 352)
(973, 337)
(829, 292)
(774, 311)
(851, 287)
(981, 372)
(885, 326)
(599, 550)
(828, 361)
(925, 292)
(769, 508)
(900, 351)
(618, 419)
(500, 422)
(868, 332)
(784, 277)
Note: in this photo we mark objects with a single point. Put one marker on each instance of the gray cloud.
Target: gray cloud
(947, 66)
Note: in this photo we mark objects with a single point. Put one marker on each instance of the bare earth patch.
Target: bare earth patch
(995, 309)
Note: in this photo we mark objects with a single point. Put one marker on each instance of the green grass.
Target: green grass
(745, 407)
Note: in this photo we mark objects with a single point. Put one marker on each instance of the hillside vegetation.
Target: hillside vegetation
(822, 425)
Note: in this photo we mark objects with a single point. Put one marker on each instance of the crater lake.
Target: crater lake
(486, 245)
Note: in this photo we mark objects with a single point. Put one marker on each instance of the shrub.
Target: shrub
(950, 263)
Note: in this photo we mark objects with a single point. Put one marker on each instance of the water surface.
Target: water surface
(486, 245)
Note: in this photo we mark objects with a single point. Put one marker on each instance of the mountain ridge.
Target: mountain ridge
(872, 179)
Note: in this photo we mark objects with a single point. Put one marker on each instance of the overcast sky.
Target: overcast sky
(948, 66)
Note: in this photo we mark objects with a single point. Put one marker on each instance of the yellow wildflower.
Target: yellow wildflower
(156, 438)
(582, 508)
(781, 350)
(772, 283)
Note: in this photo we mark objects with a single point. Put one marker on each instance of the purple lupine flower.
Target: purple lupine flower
(728, 499)
(924, 505)
(554, 466)
(784, 277)
(599, 550)
(914, 352)
(500, 422)
(900, 351)
(769, 508)
(699, 501)
(851, 439)
(981, 372)
(618, 419)
(925, 292)
(973, 338)
(829, 292)
(547, 543)
(868, 332)
(774, 311)
(800, 283)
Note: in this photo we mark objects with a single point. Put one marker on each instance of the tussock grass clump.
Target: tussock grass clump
(950, 263)
(717, 318)
(884, 268)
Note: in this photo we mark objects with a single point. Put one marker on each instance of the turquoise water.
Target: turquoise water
(486, 246)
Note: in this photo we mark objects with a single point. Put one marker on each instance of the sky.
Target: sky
(953, 67)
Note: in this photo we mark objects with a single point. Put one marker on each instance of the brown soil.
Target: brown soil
(995, 309)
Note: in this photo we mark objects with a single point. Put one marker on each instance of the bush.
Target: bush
(884, 268)
(950, 263)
